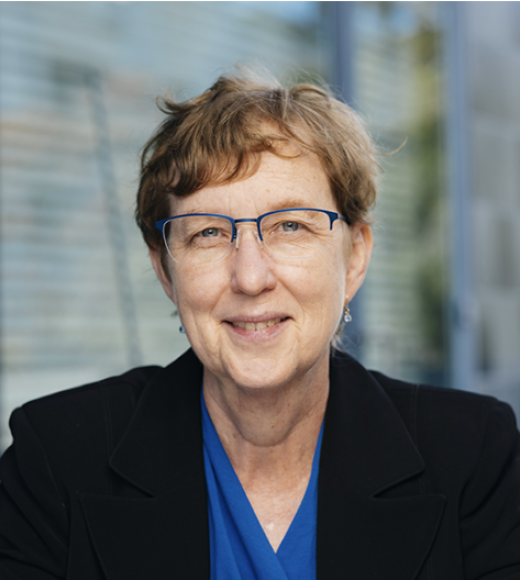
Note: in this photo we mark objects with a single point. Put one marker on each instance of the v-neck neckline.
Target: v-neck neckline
(235, 531)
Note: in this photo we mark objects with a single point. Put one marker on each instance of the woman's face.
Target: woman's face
(258, 320)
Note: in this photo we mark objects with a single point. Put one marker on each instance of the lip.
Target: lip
(266, 324)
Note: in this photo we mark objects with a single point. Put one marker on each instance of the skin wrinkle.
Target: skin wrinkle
(266, 391)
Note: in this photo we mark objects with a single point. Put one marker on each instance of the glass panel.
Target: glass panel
(79, 299)
(398, 90)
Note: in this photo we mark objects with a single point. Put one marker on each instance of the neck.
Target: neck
(272, 431)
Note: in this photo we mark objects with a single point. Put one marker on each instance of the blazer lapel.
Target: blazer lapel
(163, 445)
(164, 532)
(161, 538)
(367, 450)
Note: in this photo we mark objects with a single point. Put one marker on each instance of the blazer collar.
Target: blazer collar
(367, 450)
(365, 442)
(163, 445)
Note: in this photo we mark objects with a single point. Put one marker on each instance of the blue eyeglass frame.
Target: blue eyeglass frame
(333, 216)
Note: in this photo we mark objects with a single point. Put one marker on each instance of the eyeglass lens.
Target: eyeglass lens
(196, 239)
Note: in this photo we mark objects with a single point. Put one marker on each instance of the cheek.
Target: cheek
(333, 284)
(196, 292)
(335, 266)
(320, 289)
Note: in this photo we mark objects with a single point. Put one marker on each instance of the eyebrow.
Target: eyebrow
(291, 203)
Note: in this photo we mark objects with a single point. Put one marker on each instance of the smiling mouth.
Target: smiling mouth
(258, 325)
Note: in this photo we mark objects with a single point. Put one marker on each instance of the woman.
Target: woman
(262, 452)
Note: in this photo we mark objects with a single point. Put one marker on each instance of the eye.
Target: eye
(290, 226)
(209, 233)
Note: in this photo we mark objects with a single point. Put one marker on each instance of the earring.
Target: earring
(181, 330)
(347, 317)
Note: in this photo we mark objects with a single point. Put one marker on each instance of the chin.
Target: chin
(259, 374)
(269, 373)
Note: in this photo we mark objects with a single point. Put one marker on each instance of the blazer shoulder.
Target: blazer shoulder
(420, 402)
(132, 382)
(82, 425)
(435, 395)
(76, 419)
(457, 424)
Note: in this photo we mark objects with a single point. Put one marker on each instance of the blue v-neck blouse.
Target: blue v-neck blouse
(239, 548)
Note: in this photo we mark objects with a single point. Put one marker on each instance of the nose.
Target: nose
(252, 271)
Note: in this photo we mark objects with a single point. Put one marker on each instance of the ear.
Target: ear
(362, 243)
(164, 278)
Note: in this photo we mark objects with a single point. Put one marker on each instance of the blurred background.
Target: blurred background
(78, 298)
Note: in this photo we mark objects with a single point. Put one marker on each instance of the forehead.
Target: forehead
(279, 182)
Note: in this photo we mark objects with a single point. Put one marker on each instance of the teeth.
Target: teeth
(257, 325)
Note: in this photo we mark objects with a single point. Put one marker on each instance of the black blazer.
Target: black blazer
(107, 482)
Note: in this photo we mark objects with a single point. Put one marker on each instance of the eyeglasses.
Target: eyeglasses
(198, 238)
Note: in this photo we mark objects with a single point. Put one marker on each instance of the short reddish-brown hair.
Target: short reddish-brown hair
(219, 136)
